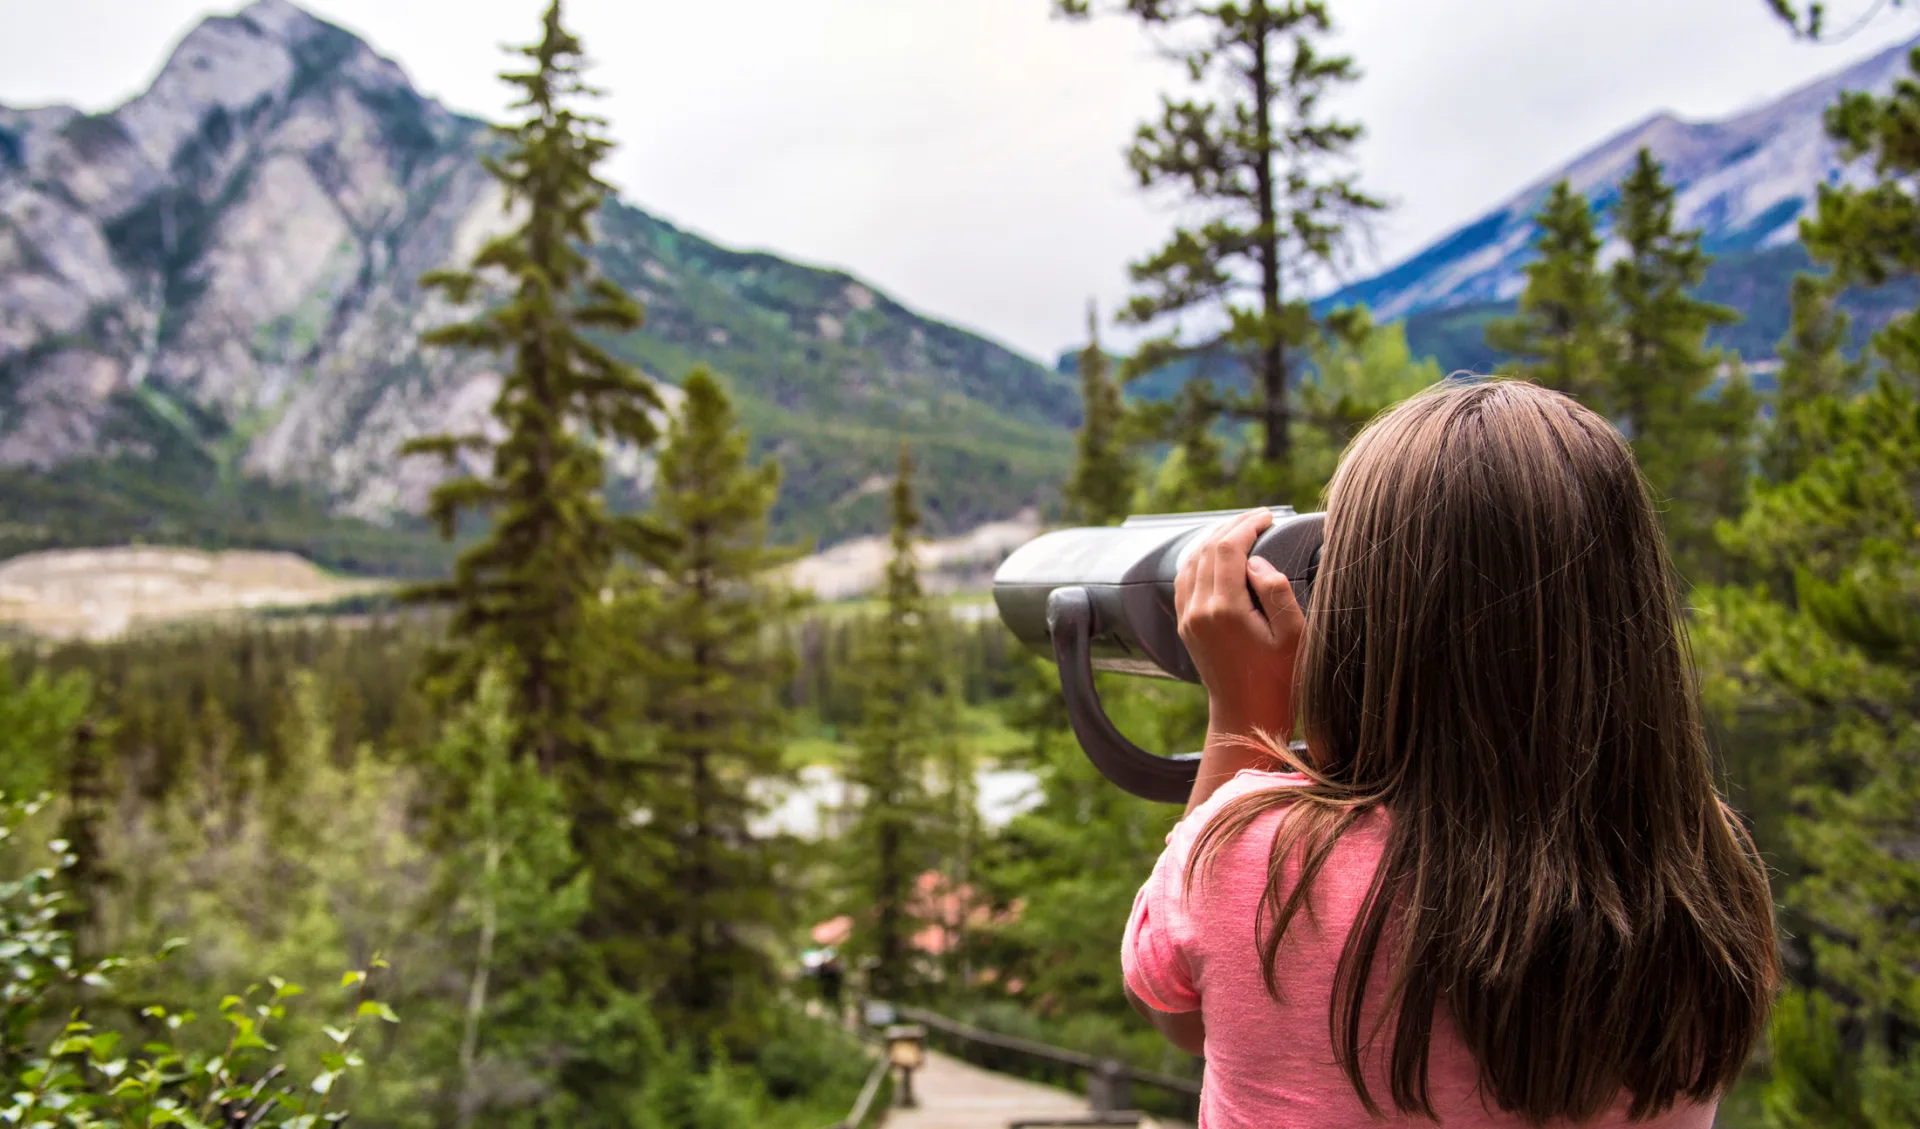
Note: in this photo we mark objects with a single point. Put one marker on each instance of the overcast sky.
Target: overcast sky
(966, 155)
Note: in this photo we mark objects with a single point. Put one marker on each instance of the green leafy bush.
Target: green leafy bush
(61, 1068)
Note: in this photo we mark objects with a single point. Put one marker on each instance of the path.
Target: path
(955, 1095)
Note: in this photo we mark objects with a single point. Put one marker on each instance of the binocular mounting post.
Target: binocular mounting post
(1166, 780)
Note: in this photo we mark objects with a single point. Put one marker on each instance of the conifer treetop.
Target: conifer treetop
(707, 659)
(1267, 166)
(1101, 487)
(1558, 334)
(903, 571)
(1870, 234)
(523, 594)
(1664, 326)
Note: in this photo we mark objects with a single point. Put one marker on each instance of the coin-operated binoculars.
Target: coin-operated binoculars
(1102, 599)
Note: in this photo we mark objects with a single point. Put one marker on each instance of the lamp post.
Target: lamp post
(906, 1050)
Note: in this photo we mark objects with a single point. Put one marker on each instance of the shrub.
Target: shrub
(61, 1069)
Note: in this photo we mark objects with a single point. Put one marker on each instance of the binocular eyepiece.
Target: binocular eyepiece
(1101, 598)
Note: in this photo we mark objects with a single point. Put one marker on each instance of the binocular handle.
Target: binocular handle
(1166, 780)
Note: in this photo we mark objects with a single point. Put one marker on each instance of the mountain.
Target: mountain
(1745, 182)
(209, 314)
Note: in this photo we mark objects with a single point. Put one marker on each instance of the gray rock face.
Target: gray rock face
(232, 257)
(241, 239)
(1745, 182)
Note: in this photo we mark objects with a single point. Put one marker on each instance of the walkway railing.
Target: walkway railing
(869, 1094)
(1109, 1082)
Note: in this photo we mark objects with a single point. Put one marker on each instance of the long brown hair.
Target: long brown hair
(1496, 658)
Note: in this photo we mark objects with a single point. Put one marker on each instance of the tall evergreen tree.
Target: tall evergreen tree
(891, 841)
(526, 592)
(1265, 164)
(527, 600)
(1866, 235)
(1101, 489)
(713, 655)
(1835, 652)
(1559, 335)
(1833, 661)
(1693, 439)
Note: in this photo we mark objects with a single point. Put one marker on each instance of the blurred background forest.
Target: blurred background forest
(548, 795)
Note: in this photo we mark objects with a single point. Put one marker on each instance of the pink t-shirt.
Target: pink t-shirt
(1271, 1064)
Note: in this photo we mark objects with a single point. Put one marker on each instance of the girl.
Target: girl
(1498, 887)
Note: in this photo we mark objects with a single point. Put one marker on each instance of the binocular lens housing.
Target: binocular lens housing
(1128, 571)
(1102, 599)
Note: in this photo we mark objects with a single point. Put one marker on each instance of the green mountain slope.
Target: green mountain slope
(832, 376)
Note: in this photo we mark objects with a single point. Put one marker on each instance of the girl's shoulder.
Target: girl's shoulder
(1238, 869)
(1246, 782)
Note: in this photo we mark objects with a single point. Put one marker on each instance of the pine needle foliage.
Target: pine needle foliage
(525, 593)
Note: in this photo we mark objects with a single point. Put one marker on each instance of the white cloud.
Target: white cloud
(965, 155)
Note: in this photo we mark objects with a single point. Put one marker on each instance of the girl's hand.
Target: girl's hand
(1246, 656)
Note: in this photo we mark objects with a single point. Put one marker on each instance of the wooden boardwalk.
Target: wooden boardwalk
(955, 1095)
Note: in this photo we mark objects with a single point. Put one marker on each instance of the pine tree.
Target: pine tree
(1559, 335)
(1831, 661)
(1099, 493)
(518, 895)
(1834, 654)
(1264, 164)
(1865, 234)
(1814, 372)
(891, 840)
(1101, 489)
(1693, 440)
(712, 660)
(526, 592)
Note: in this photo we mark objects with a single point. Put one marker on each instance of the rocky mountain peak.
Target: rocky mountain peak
(227, 76)
(223, 273)
(1745, 181)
